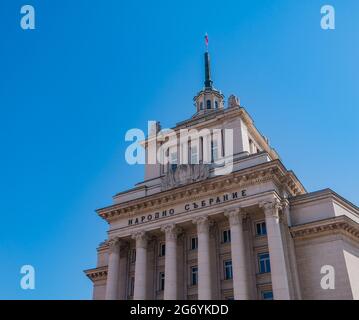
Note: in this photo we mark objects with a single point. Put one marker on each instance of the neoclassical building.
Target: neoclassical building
(191, 231)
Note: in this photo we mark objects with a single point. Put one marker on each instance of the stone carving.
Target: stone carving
(183, 174)
(233, 101)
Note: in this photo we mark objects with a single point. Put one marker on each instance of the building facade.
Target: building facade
(194, 230)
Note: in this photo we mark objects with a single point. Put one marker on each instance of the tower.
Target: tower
(208, 99)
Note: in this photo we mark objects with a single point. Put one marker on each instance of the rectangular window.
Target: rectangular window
(161, 285)
(261, 229)
(194, 276)
(267, 295)
(214, 149)
(132, 286)
(194, 155)
(162, 250)
(133, 255)
(226, 236)
(264, 262)
(228, 274)
(194, 243)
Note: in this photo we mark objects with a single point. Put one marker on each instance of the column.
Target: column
(276, 251)
(239, 261)
(113, 269)
(204, 266)
(171, 232)
(140, 265)
(122, 278)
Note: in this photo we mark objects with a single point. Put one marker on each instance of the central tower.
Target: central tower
(209, 98)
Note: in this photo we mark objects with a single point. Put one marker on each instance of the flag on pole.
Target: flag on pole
(206, 39)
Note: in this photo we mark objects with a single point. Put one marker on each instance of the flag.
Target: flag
(206, 39)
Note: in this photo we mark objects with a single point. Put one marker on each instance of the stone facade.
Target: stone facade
(187, 232)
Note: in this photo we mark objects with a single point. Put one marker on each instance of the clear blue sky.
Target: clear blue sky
(91, 70)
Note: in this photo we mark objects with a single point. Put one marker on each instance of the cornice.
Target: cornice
(341, 224)
(97, 274)
(269, 171)
(323, 194)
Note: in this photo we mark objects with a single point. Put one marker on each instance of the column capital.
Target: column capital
(271, 208)
(235, 215)
(203, 223)
(171, 231)
(114, 244)
(141, 239)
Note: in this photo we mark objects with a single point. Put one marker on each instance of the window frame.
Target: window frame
(161, 281)
(162, 245)
(196, 243)
(266, 263)
(267, 292)
(194, 275)
(260, 224)
(227, 238)
(229, 268)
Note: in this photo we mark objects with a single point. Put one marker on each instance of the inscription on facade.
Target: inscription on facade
(208, 202)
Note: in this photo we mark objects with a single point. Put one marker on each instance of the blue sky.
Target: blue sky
(91, 70)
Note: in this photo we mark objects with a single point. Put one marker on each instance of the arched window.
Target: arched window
(208, 104)
(216, 104)
(201, 106)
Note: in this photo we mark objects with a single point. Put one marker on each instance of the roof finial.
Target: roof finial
(207, 68)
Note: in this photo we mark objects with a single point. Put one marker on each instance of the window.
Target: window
(194, 276)
(216, 104)
(264, 263)
(261, 229)
(194, 155)
(132, 286)
(162, 250)
(226, 236)
(214, 149)
(208, 104)
(133, 255)
(201, 106)
(173, 161)
(228, 274)
(161, 278)
(194, 243)
(267, 295)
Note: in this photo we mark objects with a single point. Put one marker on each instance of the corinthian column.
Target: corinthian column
(140, 266)
(204, 263)
(279, 273)
(239, 261)
(113, 269)
(171, 232)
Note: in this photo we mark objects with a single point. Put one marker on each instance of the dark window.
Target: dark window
(264, 262)
(208, 104)
(261, 229)
(201, 106)
(133, 255)
(162, 281)
(216, 104)
(162, 250)
(228, 274)
(194, 243)
(132, 285)
(194, 276)
(267, 295)
(226, 236)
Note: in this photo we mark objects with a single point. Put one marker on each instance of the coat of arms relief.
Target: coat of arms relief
(184, 174)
